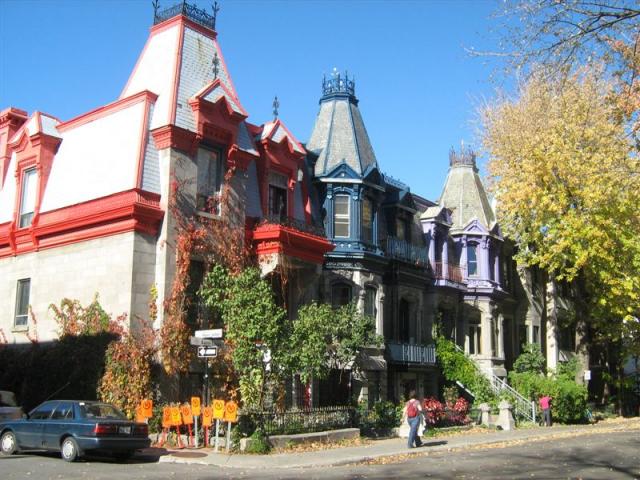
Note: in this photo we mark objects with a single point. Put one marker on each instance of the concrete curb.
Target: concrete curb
(380, 449)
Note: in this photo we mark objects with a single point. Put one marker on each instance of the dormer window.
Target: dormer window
(277, 196)
(209, 181)
(28, 198)
(367, 221)
(341, 216)
(472, 259)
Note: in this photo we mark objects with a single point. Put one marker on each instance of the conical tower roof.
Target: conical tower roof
(464, 193)
(339, 135)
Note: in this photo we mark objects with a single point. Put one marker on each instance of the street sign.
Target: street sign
(213, 333)
(198, 341)
(207, 352)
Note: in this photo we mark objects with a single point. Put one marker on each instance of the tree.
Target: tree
(254, 325)
(563, 36)
(324, 338)
(562, 168)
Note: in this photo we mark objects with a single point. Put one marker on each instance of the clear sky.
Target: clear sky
(418, 88)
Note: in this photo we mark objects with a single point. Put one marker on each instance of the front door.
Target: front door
(30, 432)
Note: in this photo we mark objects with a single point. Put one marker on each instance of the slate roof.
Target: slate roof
(339, 135)
(464, 194)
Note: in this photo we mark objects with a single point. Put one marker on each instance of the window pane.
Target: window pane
(472, 260)
(367, 220)
(43, 412)
(28, 200)
(209, 180)
(341, 225)
(370, 302)
(340, 294)
(341, 205)
(22, 302)
(277, 202)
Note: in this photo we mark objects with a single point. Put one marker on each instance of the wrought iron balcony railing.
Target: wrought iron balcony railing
(300, 225)
(448, 271)
(405, 251)
(200, 16)
(409, 353)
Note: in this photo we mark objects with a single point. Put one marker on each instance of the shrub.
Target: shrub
(433, 410)
(380, 420)
(259, 443)
(530, 360)
(569, 400)
(456, 367)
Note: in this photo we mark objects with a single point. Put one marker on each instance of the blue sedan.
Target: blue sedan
(74, 427)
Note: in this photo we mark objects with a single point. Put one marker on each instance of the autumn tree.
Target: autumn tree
(562, 169)
(564, 36)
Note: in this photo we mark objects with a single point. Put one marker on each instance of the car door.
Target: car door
(29, 432)
(60, 422)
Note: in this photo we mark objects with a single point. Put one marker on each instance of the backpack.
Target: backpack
(412, 410)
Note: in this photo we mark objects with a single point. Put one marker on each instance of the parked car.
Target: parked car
(9, 408)
(73, 428)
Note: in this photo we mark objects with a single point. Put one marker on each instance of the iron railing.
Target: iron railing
(406, 252)
(200, 16)
(300, 225)
(409, 353)
(522, 406)
(448, 271)
(302, 420)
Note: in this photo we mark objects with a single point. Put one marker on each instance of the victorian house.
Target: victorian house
(85, 209)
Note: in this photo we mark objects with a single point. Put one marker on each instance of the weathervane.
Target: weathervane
(215, 62)
(276, 105)
(215, 9)
(156, 6)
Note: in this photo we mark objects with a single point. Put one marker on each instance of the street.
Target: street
(594, 455)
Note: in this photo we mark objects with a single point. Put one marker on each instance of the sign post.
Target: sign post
(231, 416)
(195, 410)
(218, 414)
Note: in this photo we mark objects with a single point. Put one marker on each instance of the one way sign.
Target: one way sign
(207, 352)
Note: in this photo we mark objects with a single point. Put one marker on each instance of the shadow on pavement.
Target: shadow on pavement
(148, 455)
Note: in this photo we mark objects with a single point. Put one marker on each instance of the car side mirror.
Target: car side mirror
(25, 416)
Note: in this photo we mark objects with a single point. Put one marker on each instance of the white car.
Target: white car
(9, 409)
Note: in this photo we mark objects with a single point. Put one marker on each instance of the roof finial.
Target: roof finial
(216, 8)
(215, 63)
(276, 105)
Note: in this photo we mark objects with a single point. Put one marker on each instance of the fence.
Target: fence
(303, 420)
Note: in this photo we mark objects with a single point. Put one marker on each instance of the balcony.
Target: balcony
(406, 252)
(412, 354)
(289, 236)
(448, 271)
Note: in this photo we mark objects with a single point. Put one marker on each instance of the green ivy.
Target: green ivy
(457, 367)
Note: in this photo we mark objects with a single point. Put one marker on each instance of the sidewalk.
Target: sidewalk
(386, 448)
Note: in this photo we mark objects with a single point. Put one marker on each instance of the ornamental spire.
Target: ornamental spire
(276, 105)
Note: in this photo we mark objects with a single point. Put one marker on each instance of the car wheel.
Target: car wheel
(8, 443)
(69, 450)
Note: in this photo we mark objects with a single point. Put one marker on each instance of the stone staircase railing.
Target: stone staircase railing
(522, 408)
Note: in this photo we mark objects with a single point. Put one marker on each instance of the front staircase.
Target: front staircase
(523, 408)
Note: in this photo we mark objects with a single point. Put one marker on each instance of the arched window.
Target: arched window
(340, 294)
(472, 259)
(341, 216)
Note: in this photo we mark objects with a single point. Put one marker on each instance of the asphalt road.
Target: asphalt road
(606, 456)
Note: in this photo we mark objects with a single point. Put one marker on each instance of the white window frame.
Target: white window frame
(28, 197)
(341, 217)
(21, 317)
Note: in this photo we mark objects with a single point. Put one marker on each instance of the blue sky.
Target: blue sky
(418, 88)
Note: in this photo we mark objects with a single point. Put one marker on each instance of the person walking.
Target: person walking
(545, 405)
(412, 413)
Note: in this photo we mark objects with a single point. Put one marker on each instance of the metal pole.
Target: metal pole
(228, 436)
(195, 419)
(217, 442)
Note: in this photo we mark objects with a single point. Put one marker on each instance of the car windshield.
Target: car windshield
(101, 411)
